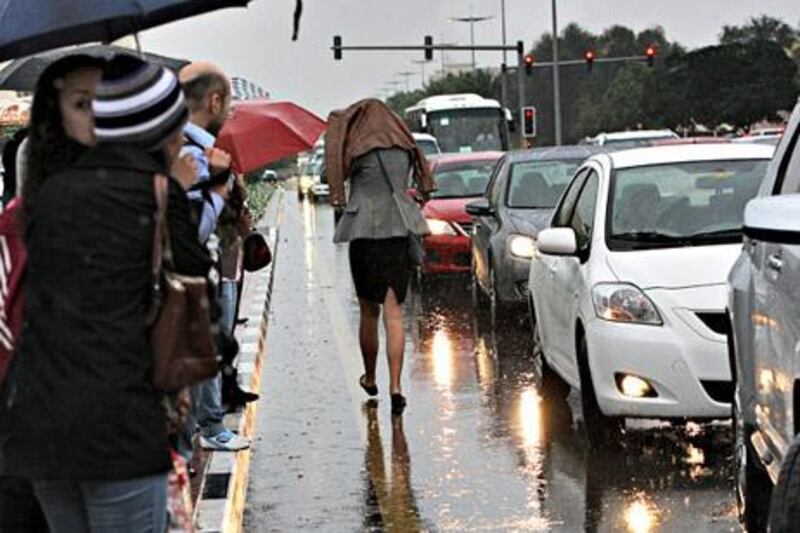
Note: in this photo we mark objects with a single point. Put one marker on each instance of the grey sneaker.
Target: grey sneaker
(227, 441)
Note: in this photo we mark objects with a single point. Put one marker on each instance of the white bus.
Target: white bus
(462, 123)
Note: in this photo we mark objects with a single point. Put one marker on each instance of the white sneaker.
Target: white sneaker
(227, 441)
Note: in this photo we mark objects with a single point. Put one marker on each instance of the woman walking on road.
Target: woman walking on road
(79, 415)
(372, 147)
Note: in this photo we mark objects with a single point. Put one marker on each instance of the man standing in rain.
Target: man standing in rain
(208, 95)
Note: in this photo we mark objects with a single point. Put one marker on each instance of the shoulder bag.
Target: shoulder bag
(181, 336)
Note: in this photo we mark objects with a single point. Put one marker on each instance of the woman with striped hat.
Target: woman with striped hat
(79, 415)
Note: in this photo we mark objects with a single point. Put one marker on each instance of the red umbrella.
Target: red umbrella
(262, 132)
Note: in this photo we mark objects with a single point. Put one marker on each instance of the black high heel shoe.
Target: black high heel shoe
(372, 391)
(398, 404)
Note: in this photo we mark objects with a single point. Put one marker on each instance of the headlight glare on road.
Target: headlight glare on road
(440, 227)
(621, 302)
(522, 246)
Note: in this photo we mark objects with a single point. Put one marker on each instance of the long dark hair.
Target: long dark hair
(49, 149)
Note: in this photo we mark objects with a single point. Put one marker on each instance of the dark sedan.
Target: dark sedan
(519, 201)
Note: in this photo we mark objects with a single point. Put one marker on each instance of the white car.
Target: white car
(631, 139)
(628, 285)
(427, 143)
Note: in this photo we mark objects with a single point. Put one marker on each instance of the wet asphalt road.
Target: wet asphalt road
(476, 450)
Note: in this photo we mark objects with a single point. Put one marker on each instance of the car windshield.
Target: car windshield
(467, 130)
(428, 147)
(539, 184)
(463, 180)
(681, 204)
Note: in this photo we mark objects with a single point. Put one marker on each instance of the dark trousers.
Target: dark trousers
(19, 509)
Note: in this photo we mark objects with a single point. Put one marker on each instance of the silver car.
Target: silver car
(764, 307)
(519, 201)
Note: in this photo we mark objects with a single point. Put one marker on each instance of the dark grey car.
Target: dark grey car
(519, 201)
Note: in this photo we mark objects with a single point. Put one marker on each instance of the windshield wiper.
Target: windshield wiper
(648, 237)
(721, 234)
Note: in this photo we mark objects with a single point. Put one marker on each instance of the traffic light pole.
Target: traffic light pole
(521, 84)
(429, 48)
(556, 80)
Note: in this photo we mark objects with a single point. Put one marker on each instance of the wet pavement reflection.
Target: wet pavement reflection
(478, 448)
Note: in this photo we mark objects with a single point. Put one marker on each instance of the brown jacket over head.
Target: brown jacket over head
(359, 129)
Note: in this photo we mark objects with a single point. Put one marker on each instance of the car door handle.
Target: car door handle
(775, 263)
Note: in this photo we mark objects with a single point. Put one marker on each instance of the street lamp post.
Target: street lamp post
(407, 75)
(472, 20)
(503, 78)
(556, 81)
(421, 63)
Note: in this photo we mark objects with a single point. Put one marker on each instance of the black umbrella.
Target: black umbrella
(31, 26)
(22, 74)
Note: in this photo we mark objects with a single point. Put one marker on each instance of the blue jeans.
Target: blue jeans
(207, 410)
(227, 303)
(134, 505)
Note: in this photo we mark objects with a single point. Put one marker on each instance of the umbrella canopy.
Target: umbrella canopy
(31, 26)
(262, 132)
(22, 74)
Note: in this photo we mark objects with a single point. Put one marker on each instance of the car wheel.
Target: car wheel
(784, 513)
(753, 486)
(601, 431)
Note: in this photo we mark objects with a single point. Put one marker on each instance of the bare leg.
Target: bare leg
(368, 338)
(395, 339)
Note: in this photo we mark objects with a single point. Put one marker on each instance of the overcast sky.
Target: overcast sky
(256, 43)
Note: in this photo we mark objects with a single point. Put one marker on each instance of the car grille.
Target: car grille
(719, 391)
(465, 228)
(716, 322)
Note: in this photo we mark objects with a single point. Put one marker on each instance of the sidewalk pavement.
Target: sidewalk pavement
(220, 506)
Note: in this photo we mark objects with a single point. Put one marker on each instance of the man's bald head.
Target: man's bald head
(207, 90)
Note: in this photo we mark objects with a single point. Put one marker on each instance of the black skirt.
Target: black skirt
(377, 265)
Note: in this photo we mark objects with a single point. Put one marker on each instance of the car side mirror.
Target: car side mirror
(480, 208)
(557, 241)
(773, 218)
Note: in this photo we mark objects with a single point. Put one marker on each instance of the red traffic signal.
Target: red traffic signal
(529, 61)
(651, 55)
(529, 122)
(589, 56)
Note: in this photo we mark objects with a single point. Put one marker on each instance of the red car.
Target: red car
(460, 178)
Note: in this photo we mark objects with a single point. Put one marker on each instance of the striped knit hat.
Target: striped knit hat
(138, 102)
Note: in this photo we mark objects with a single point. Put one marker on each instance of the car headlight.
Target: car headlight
(440, 227)
(622, 302)
(522, 246)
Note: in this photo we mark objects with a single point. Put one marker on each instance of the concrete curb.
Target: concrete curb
(220, 507)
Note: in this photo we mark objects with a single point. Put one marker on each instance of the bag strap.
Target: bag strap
(162, 249)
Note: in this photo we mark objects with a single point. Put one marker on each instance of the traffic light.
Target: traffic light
(529, 61)
(651, 55)
(337, 47)
(589, 56)
(529, 122)
(428, 48)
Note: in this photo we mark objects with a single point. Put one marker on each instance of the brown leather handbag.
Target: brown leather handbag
(181, 330)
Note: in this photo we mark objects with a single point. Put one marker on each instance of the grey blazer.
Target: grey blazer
(374, 210)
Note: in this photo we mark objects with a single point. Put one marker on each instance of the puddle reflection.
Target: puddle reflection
(490, 417)
(390, 504)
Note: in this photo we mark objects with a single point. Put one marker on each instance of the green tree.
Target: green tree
(761, 28)
(738, 83)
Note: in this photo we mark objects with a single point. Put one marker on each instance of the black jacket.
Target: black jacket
(79, 403)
